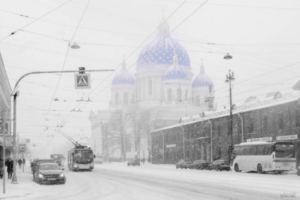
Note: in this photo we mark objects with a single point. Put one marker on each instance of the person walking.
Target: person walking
(24, 161)
(10, 167)
(20, 162)
(1, 168)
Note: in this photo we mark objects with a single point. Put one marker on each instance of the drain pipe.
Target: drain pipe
(183, 142)
(242, 125)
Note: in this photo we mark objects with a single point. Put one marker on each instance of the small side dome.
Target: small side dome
(202, 80)
(175, 73)
(123, 77)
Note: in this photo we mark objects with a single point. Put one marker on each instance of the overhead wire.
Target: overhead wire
(68, 48)
(14, 32)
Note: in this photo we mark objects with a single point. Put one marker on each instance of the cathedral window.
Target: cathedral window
(197, 101)
(169, 94)
(150, 87)
(125, 100)
(186, 94)
(179, 96)
(117, 99)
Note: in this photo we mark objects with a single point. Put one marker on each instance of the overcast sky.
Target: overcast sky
(261, 35)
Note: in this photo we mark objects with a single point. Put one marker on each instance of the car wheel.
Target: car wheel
(259, 169)
(236, 168)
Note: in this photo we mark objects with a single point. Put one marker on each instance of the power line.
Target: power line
(68, 48)
(12, 33)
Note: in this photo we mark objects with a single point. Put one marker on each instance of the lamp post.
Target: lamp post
(15, 94)
(229, 79)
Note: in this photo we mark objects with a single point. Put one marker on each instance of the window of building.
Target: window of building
(179, 96)
(280, 121)
(169, 94)
(265, 123)
(197, 101)
(186, 95)
(297, 118)
(117, 99)
(150, 87)
(250, 124)
(125, 100)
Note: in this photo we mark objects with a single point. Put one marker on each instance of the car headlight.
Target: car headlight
(41, 176)
(75, 165)
(61, 175)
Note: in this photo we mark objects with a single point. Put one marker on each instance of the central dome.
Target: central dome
(161, 50)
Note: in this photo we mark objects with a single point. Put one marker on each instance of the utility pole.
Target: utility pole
(229, 79)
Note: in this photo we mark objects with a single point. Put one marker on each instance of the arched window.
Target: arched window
(125, 100)
(179, 96)
(150, 87)
(117, 99)
(197, 101)
(169, 94)
(186, 95)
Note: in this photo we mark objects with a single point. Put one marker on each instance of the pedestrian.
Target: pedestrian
(1, 168)
(20, 162)
(10, 167)
(24, 161)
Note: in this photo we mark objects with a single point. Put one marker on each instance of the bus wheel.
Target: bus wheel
(259, 169)
(236, 168)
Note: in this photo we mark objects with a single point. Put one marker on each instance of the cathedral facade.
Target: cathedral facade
(163, 82)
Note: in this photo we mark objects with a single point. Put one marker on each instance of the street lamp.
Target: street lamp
(229, 78)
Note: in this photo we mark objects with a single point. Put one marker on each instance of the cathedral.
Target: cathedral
(163, 83)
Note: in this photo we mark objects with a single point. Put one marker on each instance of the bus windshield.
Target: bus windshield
(285, 151)
(83, 156)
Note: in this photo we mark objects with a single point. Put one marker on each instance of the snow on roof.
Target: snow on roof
(289, 97)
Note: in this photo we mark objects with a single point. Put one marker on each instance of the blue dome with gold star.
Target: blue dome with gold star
(202, 80)
(123, 78)
(161, 50)
(175, 73)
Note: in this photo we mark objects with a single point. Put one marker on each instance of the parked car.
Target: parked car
(134, 162)
(49, 173)
(200, 164)
(219, 165)
(183, 164)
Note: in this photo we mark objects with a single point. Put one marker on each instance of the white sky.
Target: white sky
(261, 35)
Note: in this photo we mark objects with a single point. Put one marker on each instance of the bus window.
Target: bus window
(261, 150)
(285, 151)
(253, 150)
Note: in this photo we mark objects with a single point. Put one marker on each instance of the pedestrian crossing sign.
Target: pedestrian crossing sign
(82, 81)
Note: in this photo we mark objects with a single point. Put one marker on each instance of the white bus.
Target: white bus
(264, 157)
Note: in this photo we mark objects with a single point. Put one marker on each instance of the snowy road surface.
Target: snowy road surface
(157, 182)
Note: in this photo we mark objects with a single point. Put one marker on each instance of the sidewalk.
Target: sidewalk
(25, 186)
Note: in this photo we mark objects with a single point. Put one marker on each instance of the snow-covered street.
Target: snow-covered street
(118, 181)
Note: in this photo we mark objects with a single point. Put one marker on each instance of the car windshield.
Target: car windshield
(49, 167)
(285, 151)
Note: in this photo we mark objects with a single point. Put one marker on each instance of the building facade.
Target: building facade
(272, 119)
(5, 108)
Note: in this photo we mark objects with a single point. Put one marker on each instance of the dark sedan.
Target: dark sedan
(49, 173)
(36, 162)
(219, 165)
(200, 164)
(134, 162)
(183, 164)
